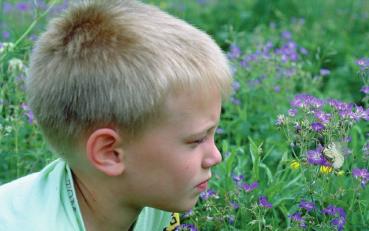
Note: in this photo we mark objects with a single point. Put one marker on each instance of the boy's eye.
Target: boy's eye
(199, 141)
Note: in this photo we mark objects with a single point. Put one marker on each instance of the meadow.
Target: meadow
(294, 135)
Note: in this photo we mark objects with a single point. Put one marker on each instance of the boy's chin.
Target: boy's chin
(180, 206)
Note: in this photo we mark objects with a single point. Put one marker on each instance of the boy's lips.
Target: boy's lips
(203, 185)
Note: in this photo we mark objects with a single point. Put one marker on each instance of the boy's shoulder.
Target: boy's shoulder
(33, 202)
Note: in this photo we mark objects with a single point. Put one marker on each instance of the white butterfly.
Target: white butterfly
(335, 154)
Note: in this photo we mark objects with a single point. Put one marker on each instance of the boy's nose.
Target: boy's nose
(212, 157)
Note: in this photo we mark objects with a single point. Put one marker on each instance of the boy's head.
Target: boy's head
(115, 64)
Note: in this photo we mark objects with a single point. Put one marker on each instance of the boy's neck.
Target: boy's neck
(98, 211)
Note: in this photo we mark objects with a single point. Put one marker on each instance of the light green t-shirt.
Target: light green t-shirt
(46, 201)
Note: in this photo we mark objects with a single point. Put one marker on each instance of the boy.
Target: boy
(129, 97)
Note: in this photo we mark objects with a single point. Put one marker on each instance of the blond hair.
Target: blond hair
(113, 63)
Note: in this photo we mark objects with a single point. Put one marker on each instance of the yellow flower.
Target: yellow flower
(326, 169)
(295, 165)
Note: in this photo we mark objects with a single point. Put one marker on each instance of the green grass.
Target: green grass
(333, 32)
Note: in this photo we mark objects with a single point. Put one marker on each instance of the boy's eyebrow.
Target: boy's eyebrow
(205, 131)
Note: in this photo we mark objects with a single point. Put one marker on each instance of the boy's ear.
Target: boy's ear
(104, 151)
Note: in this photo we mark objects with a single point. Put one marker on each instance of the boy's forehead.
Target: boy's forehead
(188, 103)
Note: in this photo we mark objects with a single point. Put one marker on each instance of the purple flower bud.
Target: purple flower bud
(263, 202)
(292, 112)
(250, 187)
(318, 127)
(234, 51)
(208, 194)
(315, 157)
(365, 90)
(324, 72)
(307, 205)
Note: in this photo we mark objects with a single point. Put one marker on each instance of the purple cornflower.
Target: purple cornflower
(28, 113)
(250, 187)
(286, 35)
(365, 90)
(334, 211)
(330, 210)
(363, 63)
(305, 101)
(324, 72)
(231, 219)
(208, 194)
(219, 131)
(263, 202)
(362, 175)
(7, 7)
(22, 6)
(322, 116)
(298, 218)
(307, 205)
(187, 214)
(235, 101)
(277, 89)
(185, 227)
(6, 35)
(235, 85)
(281, 119)
(339, 222)
(360, 113)
(303, 51)
(318, 127)
(238, 179)
(315, 157)
(234, 51)
(292, 112)
(234, 205)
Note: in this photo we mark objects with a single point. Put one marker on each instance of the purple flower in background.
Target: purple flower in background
(307, 205)
(234, 205)
(362, 175)
(360, 113)
(340, 216)
(235, 85)
(305, 101)
(202, 2)
(292, 112)
(186, 227)
(277, 89)
(330, 210)
(7, 7)
(6, 35)
(208, 194)
(250, 187)
(235, 101)
(234, 51)
(187, 214)
(263, 202)
(324, 72)
(318, 127)
(339, 222)
(363, 63)
(22, 6)
(28, 113)
(322, 116)
(286, 35)
(365, 90)
(219, 131)
(298, 218)
(303, 51)
(238, 178)
(315, 157)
